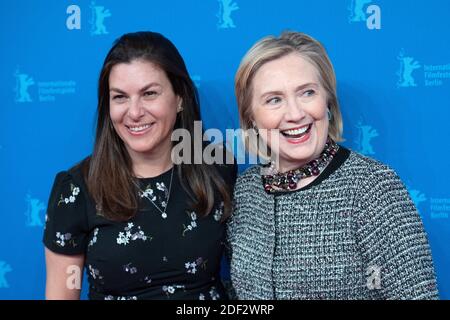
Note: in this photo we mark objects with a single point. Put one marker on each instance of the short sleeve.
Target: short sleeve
(66, 227)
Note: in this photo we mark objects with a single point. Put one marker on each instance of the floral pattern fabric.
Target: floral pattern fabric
(175, 255)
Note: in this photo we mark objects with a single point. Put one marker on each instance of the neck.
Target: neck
(147, 165)
(285, 166)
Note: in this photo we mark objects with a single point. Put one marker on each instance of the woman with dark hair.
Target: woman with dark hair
(140, 224)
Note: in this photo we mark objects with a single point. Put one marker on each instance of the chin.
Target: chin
(140, 148)
(299, 154)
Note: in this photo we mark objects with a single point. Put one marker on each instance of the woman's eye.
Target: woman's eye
(119, 97)
(273, 100)
(150, 93)
(309, 93)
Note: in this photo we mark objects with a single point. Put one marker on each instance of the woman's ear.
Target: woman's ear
(180, 104)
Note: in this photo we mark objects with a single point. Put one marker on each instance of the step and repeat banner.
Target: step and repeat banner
(392, 60)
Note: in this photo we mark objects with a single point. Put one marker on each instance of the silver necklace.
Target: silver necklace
(144, 194)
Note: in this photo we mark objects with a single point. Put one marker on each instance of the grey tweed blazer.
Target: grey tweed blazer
(354, 233)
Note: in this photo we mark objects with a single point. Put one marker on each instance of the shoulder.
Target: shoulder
(378, 184)
(70, 180)
(365, 164)
(249, 185)
(367, 169)
(251, 177)
(250, 174)
(67, 223)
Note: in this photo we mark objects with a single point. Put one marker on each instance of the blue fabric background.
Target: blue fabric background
(393, 81)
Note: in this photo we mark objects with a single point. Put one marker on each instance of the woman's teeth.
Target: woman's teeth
(140, 128)
(296, 132)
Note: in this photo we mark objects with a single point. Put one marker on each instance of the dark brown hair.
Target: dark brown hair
(108, 172)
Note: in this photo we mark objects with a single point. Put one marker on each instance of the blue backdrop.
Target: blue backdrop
(392, 60)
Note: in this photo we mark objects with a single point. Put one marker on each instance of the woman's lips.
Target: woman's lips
(297, 135)
(139, 130)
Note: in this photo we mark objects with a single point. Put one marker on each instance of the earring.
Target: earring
(329, 114)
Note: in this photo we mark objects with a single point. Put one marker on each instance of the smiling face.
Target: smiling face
(143, 107)
(288, 97)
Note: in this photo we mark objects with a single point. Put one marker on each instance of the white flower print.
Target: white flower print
(120, 298)
(219, 212)
(191, 267)
(214, 294)
(148, 193)
(158, 197)
(129, 235)
(127, 298)
(70, 199)
(95, 273)
(161, 186)
(201, 296)
(168, 290)
(94, 238)
(64, 239)
(192, 225)
(130, 269)
(147, 280)
(122, 239)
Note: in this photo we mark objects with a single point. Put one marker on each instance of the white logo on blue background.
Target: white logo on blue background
(357, 12)
(73, 22)
(226, 7)
(417, 196)
(23, 82)
(364, 141)
(407, 66)
(46, 91)
(4, 269)
(99, 13)
(33, 213)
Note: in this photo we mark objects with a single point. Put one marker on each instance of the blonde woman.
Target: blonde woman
(324, 222)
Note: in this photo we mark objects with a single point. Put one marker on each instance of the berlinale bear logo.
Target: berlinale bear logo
(357, 14)
(97, 21)
(224, 15)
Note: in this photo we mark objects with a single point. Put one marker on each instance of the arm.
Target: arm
(64, 276)
(392, 239)
(65, 238)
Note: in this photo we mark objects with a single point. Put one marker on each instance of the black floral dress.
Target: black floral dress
(166, 251)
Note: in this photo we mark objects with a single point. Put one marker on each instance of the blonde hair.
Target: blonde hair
(271, 48)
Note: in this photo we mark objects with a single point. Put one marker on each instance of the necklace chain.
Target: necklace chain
(163, 212)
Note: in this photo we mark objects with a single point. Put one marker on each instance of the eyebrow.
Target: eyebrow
(143, 89)
(300, 87)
